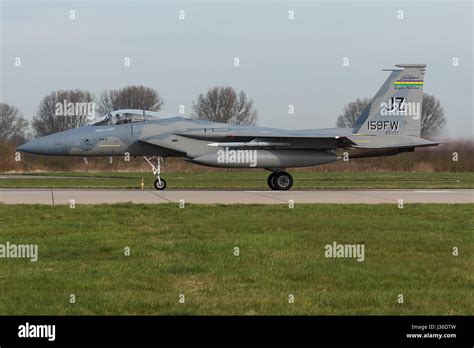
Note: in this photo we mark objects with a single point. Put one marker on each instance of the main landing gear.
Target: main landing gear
(280, 181)
(160, 184)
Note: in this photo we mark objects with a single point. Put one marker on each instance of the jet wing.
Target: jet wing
(252, 133)
(227, 137)
(309, 139)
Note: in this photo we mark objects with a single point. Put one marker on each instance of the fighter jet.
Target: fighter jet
(390, 125)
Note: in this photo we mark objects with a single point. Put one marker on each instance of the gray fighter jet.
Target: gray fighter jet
(390, 125)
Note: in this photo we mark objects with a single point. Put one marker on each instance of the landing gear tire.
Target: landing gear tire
(283, 181)
(160, 184)
(270, 181)
(280, 181)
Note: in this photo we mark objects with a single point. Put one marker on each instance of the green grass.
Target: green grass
(247, 180)
(407, 251)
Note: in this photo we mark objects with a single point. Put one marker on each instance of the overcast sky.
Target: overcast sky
(282, 61)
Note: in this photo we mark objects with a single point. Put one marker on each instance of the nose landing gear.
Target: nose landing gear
(159, 184)
(280, 181)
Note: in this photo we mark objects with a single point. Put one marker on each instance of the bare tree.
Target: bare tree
(432, 114)
(129, 97)
(12, 123)
(351, 113)
(62, 110)
(223, 104)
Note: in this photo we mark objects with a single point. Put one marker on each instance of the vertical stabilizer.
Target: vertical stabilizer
(396, 108)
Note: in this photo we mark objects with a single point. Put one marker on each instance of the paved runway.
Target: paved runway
(86, 196)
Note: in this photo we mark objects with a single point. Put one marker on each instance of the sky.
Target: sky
(282, 61)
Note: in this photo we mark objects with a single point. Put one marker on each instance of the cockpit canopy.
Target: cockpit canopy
(124, 116)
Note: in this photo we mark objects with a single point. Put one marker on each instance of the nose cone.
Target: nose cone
(42, 146)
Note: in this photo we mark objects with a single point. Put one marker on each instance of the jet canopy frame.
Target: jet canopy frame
(125, 116)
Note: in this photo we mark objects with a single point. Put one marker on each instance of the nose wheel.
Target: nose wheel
(159, 184)
(280, 181)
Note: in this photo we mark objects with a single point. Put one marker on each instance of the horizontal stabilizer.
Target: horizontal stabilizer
(387, 142)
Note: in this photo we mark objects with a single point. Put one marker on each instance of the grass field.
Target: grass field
(190, 251)
(239, 180)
